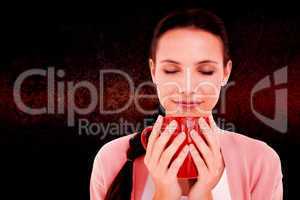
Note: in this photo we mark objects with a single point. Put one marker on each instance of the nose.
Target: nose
(187, 82)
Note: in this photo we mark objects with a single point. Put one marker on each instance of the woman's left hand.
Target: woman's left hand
(210, 164)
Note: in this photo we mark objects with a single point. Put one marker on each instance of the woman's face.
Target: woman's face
(189, 71)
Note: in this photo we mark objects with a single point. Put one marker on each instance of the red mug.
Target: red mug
(188, 169)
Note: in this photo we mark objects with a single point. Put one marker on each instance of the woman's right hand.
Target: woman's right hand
(158, 158)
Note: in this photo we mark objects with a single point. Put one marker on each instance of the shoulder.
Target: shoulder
(115, 149)
(255, 163)
(258, 156)
(109, 160)
(248, 145)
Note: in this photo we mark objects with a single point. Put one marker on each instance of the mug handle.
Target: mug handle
(145, 135)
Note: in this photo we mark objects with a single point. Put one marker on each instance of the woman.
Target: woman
(189, 63)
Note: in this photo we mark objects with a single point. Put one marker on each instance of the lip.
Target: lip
(188, 103)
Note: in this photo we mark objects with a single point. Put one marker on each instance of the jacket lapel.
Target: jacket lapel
(140, 174)
(235, 167)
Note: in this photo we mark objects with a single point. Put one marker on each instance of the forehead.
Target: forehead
(189, 44)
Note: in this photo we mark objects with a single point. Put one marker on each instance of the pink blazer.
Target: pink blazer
(253, 168)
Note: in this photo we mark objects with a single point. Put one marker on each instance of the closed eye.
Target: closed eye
(170, 72)
(207, 72)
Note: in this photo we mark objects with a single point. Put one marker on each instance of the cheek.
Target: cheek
(166, 92)
(209, 89)
(167, 85)
(210, 94)
(210, 86)
(167, 88)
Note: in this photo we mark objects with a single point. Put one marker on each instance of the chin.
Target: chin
(196, 111)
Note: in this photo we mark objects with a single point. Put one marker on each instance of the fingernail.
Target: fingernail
(191, 147)
(173, 125)
(201, 120)
(182, 135)
(174, 122)
(159, 117)
(186, 149)
(193, 133)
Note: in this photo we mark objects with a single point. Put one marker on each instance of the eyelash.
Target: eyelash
(170, 72)
(204, 73)
(208, 73)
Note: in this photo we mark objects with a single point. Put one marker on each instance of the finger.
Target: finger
(177, 163)
(207, 133)
(200, 164)
(169, 152)
(202, 147)
(153, 136)
(215, 129)
(212, 123)
(161, 142)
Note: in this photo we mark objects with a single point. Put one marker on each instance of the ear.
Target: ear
(152, 70)
(227, 71)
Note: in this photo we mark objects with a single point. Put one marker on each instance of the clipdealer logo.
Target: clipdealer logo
(60, 89)
(280, 79)
(70, 88)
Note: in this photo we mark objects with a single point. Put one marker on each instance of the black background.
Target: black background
(42, 158)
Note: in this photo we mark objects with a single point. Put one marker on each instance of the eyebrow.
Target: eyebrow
(197, 63)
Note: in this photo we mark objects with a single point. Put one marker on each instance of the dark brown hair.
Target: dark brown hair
(121, 186)
(192, 18)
